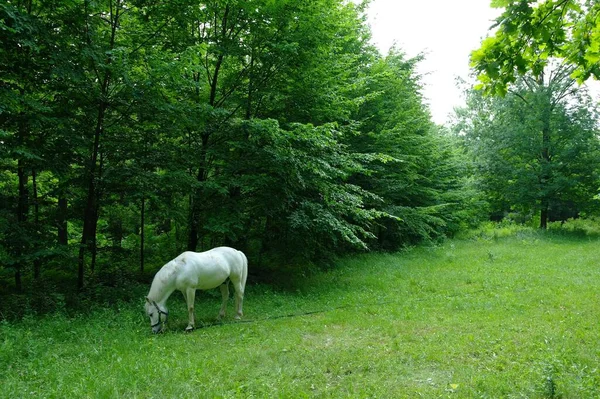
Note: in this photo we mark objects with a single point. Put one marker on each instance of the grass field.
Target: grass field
(487, 317)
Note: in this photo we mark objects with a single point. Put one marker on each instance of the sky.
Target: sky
(445, 31)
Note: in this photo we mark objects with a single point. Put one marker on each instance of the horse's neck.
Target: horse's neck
(161, 288)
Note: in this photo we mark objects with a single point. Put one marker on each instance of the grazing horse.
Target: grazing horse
(197, 270)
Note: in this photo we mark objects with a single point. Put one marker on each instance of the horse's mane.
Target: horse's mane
(162, 279)
(167, 271)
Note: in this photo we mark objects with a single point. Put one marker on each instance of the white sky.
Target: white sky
(445, 30)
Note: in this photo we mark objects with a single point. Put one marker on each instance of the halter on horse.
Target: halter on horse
(160, 312)
(197, 270)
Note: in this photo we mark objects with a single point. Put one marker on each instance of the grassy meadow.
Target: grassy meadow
(484, 316)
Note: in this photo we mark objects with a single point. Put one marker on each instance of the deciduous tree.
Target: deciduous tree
(536, 149)
(530, 33)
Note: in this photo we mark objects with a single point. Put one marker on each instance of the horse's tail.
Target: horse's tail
(244, 269)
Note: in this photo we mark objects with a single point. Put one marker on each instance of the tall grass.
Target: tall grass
(512, 315)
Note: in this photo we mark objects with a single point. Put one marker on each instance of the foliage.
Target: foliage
(535, 150)
(490, 230)
(530, 33)
(585, 226)
(131, 131)
(418, 178)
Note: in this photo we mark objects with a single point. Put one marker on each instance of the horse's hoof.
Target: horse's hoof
(189, 329)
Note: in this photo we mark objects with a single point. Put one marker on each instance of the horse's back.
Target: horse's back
(237, 261)
(211, 268)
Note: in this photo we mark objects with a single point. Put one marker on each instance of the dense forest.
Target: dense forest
(132, 130)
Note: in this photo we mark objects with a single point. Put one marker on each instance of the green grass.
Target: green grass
(488, 316)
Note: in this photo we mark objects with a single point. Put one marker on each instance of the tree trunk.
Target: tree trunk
(544, 216)
(195, 199)
(36, 206)
(546, 159)
(90, 214)
(61, 220)
(22, 209)
(142, 234)
(213, 80)
(93, 245)
(192, 226)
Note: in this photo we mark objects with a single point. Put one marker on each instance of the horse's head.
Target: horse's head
(156, 315)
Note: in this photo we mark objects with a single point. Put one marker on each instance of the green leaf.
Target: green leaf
(500, 3)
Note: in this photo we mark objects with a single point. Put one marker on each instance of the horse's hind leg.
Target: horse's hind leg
(190, 296)
(239, 298)
(225, 294)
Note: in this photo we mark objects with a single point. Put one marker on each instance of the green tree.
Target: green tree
(415, 169)
(295, 204)
(537, 149)
(27, 59)
(288, 61)
(530, 33)
(132, 130)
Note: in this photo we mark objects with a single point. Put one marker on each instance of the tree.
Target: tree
(26, 64)
(530, 33)
(289, 61)
(536, 149)
(131, 130)
(296, 202)
(414, 169)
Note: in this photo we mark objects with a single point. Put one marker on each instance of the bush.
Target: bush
(495, 230)
(589, 227)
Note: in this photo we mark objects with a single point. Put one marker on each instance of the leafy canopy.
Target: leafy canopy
(529, 33)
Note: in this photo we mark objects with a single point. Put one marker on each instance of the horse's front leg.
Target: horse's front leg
(225, 295)
(190, 296)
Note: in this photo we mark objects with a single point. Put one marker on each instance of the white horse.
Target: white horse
(197, 270)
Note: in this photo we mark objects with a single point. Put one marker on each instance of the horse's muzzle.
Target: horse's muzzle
(157, 329)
